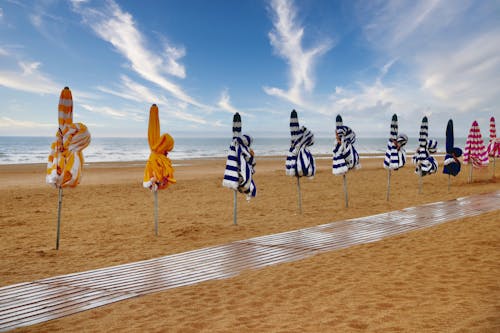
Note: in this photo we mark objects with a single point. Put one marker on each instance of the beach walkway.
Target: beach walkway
(38, 301)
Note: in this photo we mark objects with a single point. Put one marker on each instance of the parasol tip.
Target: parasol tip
(236, 117)
(394, 117)
(492, 119)
(154, 105)
(293, 114)
(66, 87)
(424, 119)
(474, 123)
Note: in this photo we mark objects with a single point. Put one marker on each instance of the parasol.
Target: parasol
(395, 155)
(345, 155)
(451, 161)
(475, 152)
(493, 148)
(159, 173)
(65, 162)
(240, 165)
(425, 163)
(300, 161)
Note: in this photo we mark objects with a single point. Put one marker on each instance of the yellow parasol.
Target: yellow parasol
(159, 173)
(65, 162)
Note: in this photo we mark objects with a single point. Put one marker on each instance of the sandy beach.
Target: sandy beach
(440, 279)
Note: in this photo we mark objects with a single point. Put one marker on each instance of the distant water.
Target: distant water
(21, 150)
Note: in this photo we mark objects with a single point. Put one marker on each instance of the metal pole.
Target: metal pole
(345, 192)
(388, 183)
(59, 217)
(420, 180)
(235, 209)
(494, 166)
(299, 195)
(156, 212)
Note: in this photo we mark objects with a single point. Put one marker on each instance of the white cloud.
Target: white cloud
(450, 50)
(12, 123)
(286, 39)
(225, 104)
(113, 113)
(29, 79)
(134, 91)
(119, 28)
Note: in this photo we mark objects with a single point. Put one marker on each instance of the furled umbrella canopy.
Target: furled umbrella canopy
(345, 155)
(240, 164)
(159, 173)
(300, 161)
(493, 148)
(475, 152)
(395, 155)
(451, 161)
(425, 163)
(65, 162)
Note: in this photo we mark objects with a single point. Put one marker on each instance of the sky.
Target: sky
(201, 61)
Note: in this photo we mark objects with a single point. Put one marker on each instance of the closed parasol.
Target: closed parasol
(493, 148)
(451, 161)
(425, 163)
(159, 173)
(240, 165)
(395, 155)
(65, 162)
(300, 161)
(345, 155)
(475, 152)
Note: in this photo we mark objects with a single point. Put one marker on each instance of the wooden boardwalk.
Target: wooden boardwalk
(42, 300)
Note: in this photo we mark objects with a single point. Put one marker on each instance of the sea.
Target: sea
(26, 150)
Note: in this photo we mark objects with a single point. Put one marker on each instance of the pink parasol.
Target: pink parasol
(475, 151)
(493, 148)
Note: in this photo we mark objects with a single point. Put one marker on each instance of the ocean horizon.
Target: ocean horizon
(31, 149)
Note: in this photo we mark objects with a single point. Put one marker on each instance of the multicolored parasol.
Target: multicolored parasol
(300, 161)
(65, 161)
(475, 153)
(240, 165)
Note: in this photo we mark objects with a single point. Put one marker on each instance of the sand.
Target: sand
(441, 279)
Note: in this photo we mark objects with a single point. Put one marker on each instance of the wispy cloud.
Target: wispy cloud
(119, 28)
(286, 39)
(10, 123)
(131, 90)
(449, 55)
(113, 113)
(28, 78)
(225, 104)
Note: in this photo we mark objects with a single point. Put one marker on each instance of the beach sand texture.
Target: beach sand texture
(440, 279)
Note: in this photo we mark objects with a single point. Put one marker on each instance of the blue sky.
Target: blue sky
(201, 61)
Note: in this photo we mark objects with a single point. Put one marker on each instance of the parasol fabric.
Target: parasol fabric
(475, 151)
(451, 162)
(300, 161)
(240, 164)
(65, 161)
(395, 155)
(159, 173)
(345, 155)
(493, 148)
(425, 163)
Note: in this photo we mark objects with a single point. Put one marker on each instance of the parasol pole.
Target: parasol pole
(299, 195)
(494, 166)
(420, 180)
(449, 181)
(388, 183)
(345, 192)
(59, 217)
(470, 172)
(156, 211)
(235, 209)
